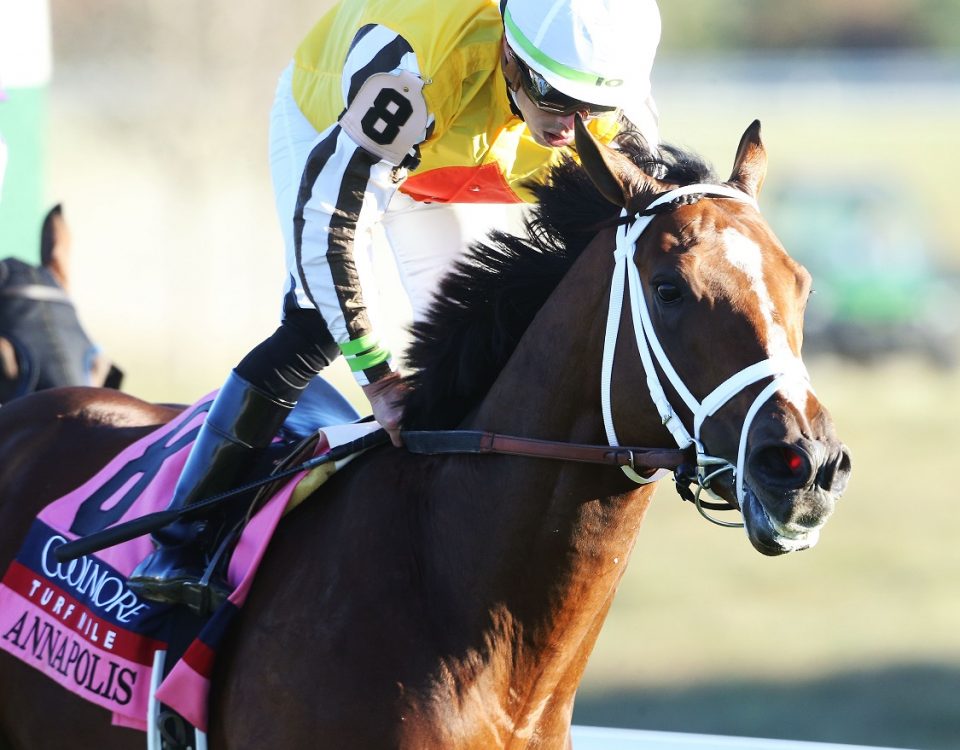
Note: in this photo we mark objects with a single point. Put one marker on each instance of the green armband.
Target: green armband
(364, 353)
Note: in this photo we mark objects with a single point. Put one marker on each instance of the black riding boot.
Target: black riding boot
(241, 421)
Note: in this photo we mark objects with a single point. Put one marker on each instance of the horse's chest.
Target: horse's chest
(479, 718)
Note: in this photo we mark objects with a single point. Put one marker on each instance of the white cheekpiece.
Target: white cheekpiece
(378, 119)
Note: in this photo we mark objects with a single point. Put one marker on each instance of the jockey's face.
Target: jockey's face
(547, 128)
(548, 113)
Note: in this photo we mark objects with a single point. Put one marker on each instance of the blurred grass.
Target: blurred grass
(868, 618)
(837, 130)
(906, 706)
(856, 640)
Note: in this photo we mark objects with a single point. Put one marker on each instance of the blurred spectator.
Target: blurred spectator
(42, 343)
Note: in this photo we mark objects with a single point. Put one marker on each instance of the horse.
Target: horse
(437, 599)
(42, 342)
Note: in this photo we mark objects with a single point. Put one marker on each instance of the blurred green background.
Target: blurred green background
(157, 148)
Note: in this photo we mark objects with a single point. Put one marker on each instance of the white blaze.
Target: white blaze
(746, 255)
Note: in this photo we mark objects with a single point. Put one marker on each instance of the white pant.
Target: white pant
(424, 239)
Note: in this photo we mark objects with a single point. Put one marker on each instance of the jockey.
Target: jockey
(390, 114)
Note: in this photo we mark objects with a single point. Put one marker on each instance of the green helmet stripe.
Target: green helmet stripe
(546, 63)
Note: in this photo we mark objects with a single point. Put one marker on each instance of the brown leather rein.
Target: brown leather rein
(426, 442)
(645, 461)
(432, 442)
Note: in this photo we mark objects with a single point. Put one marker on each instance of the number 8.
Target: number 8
(392, 120)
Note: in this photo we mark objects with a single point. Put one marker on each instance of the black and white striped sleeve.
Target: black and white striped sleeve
(349, 178)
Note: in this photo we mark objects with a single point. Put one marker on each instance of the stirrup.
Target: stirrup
(202, 593)
(213, 587)
(206, 595)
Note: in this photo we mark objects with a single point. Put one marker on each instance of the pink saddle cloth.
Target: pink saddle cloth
(78, 622)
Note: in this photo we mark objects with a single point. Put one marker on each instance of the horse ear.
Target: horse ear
(9, 370)
(750, 166)
(55, 245)
(609, 170)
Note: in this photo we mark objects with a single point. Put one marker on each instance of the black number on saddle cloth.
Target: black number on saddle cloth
(92, 517)
(392, 119)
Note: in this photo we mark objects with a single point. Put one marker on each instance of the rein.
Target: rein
(432, 442)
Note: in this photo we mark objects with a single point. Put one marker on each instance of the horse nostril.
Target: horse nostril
(782, 465)
(793, 460)
(833, 475)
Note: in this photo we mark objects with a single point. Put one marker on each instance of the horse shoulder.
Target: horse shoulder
(77, 408)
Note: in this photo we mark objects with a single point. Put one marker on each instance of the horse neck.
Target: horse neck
(547, 541)
(550, 388)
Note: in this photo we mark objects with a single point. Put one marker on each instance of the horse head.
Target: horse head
(717, 309)
(42, 343)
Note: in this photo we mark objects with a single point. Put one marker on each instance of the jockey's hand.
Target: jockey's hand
(384, 397)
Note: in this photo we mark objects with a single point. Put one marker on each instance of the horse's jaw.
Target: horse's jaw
(771, 537)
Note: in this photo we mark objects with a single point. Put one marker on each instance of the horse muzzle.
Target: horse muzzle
(789, 492)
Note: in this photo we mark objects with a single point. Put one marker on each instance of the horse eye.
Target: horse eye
(668, 293)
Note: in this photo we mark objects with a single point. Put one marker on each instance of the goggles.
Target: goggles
(549, 99)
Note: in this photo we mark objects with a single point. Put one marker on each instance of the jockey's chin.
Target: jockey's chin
(547, 128)
(553, 134)
(556, 140)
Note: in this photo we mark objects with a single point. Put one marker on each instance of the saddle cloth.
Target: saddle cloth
(78, 623)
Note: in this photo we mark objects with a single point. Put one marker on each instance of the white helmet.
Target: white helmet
(596, 51)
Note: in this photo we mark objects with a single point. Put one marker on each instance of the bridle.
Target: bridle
(626, 280)
(691, 464)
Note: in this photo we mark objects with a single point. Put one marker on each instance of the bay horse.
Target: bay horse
(452, 601)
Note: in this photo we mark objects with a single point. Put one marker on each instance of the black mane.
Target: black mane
(489, 298)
